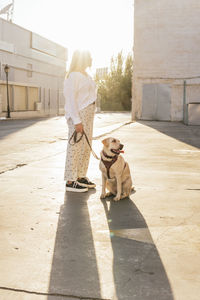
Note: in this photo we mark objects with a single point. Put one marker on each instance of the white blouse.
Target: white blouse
(79, 92)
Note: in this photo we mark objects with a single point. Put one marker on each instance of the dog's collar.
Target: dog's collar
(107, 156)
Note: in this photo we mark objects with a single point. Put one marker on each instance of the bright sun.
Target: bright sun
(102, 26)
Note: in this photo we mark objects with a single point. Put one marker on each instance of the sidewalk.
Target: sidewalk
(56, 245)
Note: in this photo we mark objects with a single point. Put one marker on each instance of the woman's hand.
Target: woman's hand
(79, 128)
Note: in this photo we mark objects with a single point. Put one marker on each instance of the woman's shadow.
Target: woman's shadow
(74, 267)
(138, 271)
(137, 268)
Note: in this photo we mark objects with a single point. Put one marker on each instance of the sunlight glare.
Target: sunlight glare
(104, 27)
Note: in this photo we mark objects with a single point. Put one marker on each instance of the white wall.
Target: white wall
(166, 48)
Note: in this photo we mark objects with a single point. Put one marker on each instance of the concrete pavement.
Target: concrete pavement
(25, 141)
(56, 245)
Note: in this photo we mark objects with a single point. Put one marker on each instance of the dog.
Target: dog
(116, 175)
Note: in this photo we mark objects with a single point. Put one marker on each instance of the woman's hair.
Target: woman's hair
(80, 61)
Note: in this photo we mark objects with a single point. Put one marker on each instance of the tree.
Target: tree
(114, 90)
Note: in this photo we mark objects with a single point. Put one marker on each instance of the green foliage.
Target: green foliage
(114, 90)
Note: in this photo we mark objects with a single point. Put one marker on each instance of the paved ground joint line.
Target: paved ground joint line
(13, 168)
(50, 294)
(19, 165)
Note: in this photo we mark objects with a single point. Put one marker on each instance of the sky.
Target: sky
(104, 27)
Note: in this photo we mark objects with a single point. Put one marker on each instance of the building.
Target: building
(166, 80)
(37, 68)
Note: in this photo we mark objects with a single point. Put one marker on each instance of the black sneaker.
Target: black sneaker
(75, 187)
(84, 181)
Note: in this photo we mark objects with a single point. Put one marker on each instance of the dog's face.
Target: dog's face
(112, 145)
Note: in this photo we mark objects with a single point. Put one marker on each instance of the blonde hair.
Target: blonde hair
(81, 59)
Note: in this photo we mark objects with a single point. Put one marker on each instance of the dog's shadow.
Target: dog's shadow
(138, 271)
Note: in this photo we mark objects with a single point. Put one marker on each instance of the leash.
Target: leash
(73, 140)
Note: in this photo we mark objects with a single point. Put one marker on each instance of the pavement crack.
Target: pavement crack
(50, 294)
(112, 130)
(192, 189)
(11, 169)
(30, 162)
(57, 153)
(142, 271)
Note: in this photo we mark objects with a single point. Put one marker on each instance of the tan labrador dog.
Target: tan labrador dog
(116, 175)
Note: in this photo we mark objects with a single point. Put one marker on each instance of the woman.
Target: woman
(80, 97)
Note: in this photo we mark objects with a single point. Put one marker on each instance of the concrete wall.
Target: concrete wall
(37, 70)
(166, 50)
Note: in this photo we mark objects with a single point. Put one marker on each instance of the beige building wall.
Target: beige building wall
(166, 52)
(37, 70)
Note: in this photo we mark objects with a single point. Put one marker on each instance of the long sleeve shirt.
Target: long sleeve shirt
(79, 92)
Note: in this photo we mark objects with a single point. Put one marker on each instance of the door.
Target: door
(156, 102)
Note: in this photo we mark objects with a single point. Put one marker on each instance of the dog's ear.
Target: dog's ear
(106, 142)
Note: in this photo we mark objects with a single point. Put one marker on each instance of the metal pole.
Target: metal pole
(185, 112)
(8, 104)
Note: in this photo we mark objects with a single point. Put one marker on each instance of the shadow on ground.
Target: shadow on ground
(11, 126)
(138, 271)
(74, 267)
(137, 268)
(177, 130)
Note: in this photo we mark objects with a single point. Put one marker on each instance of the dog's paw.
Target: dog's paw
(103, 196)
(116, 198)
(124, 195)
(109, 194)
